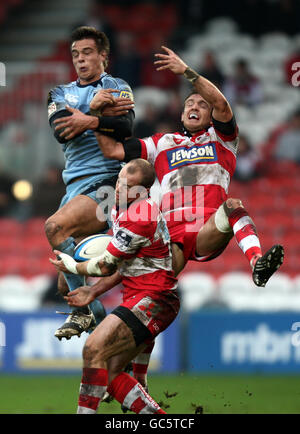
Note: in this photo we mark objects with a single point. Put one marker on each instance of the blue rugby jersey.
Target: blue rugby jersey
(82, 153)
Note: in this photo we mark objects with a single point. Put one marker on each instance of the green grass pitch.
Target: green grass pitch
(184, 393)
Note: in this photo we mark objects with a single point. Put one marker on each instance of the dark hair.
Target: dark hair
(192, 92)
(146, 169)
(100, 38)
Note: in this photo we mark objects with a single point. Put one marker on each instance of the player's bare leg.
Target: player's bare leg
(77, 218)
(107, 351)
(232, 219)
(62, 285)
(139, 368)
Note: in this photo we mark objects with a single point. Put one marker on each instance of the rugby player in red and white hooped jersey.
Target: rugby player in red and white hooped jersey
(194, 169)
(140, 248)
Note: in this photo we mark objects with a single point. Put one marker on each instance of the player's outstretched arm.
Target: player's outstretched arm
(86, 294)
(103, 265)
(170, 60)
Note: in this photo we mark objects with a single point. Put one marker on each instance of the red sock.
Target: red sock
(92, 389)
(140, 365)
(245, 234)
(131, 394)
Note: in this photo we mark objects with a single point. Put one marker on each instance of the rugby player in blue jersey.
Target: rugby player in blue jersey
(86, 169)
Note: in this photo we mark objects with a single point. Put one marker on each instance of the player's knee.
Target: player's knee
(231, 204)
(114, 368)
(90, 353)
(52, 229)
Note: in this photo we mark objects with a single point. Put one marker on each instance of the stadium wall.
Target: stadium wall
(243, 342)
(202, 342)
(28, 345)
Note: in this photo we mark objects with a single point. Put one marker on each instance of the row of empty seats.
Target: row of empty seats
(198, 290)
(238, 292)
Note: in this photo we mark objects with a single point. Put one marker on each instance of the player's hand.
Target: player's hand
(170, 60)
(74, 124)
(64, 263)
(121, 107)
(102, 98)
(80, 297)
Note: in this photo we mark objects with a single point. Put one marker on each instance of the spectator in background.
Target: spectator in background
(287, 145)
(247, 164)
(47, 193)
(126, 63)
(172, 112)
(292, 76)
(165, 80)
(211, 70)
(164, 127)
(96, 17)
(146, 125)
(7, 199)
(243, 87)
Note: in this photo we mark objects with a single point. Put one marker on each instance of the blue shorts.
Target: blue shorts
(88, 187)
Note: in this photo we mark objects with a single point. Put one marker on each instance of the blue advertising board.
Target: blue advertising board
(243, 342)
(27, 344)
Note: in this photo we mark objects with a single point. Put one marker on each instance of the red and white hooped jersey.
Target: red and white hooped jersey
(192, 171)
(141, 239)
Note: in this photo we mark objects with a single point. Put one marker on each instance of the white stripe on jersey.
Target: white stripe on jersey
(151, 150)
(135, 267)
(230, 145)
(206, 174)
(130, 242)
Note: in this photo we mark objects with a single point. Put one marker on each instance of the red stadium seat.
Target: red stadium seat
(8, 244)
(35, 245)
(35, 226)
(10, 226)
(279, 220)
(291, 240)
(261, 203)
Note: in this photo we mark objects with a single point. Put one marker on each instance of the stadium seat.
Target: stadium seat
(35, 245)
(16, 295)
(10, 226)
(237, 291)
(279, 283)
(196, 289)
(8, 244)
(35, 226)
(279, 220)
(221, 25)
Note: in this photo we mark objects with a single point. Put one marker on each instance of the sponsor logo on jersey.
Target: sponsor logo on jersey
(72, 99)
(51, 108)
(182, 156)
(126, 94)
(122, 239)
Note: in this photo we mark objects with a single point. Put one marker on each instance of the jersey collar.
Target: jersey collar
(199, 133)
(94, 83)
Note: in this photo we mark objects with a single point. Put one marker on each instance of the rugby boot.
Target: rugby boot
(78, 321)
(267, 264)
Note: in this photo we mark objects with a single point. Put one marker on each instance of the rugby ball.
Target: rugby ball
(91, 247)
